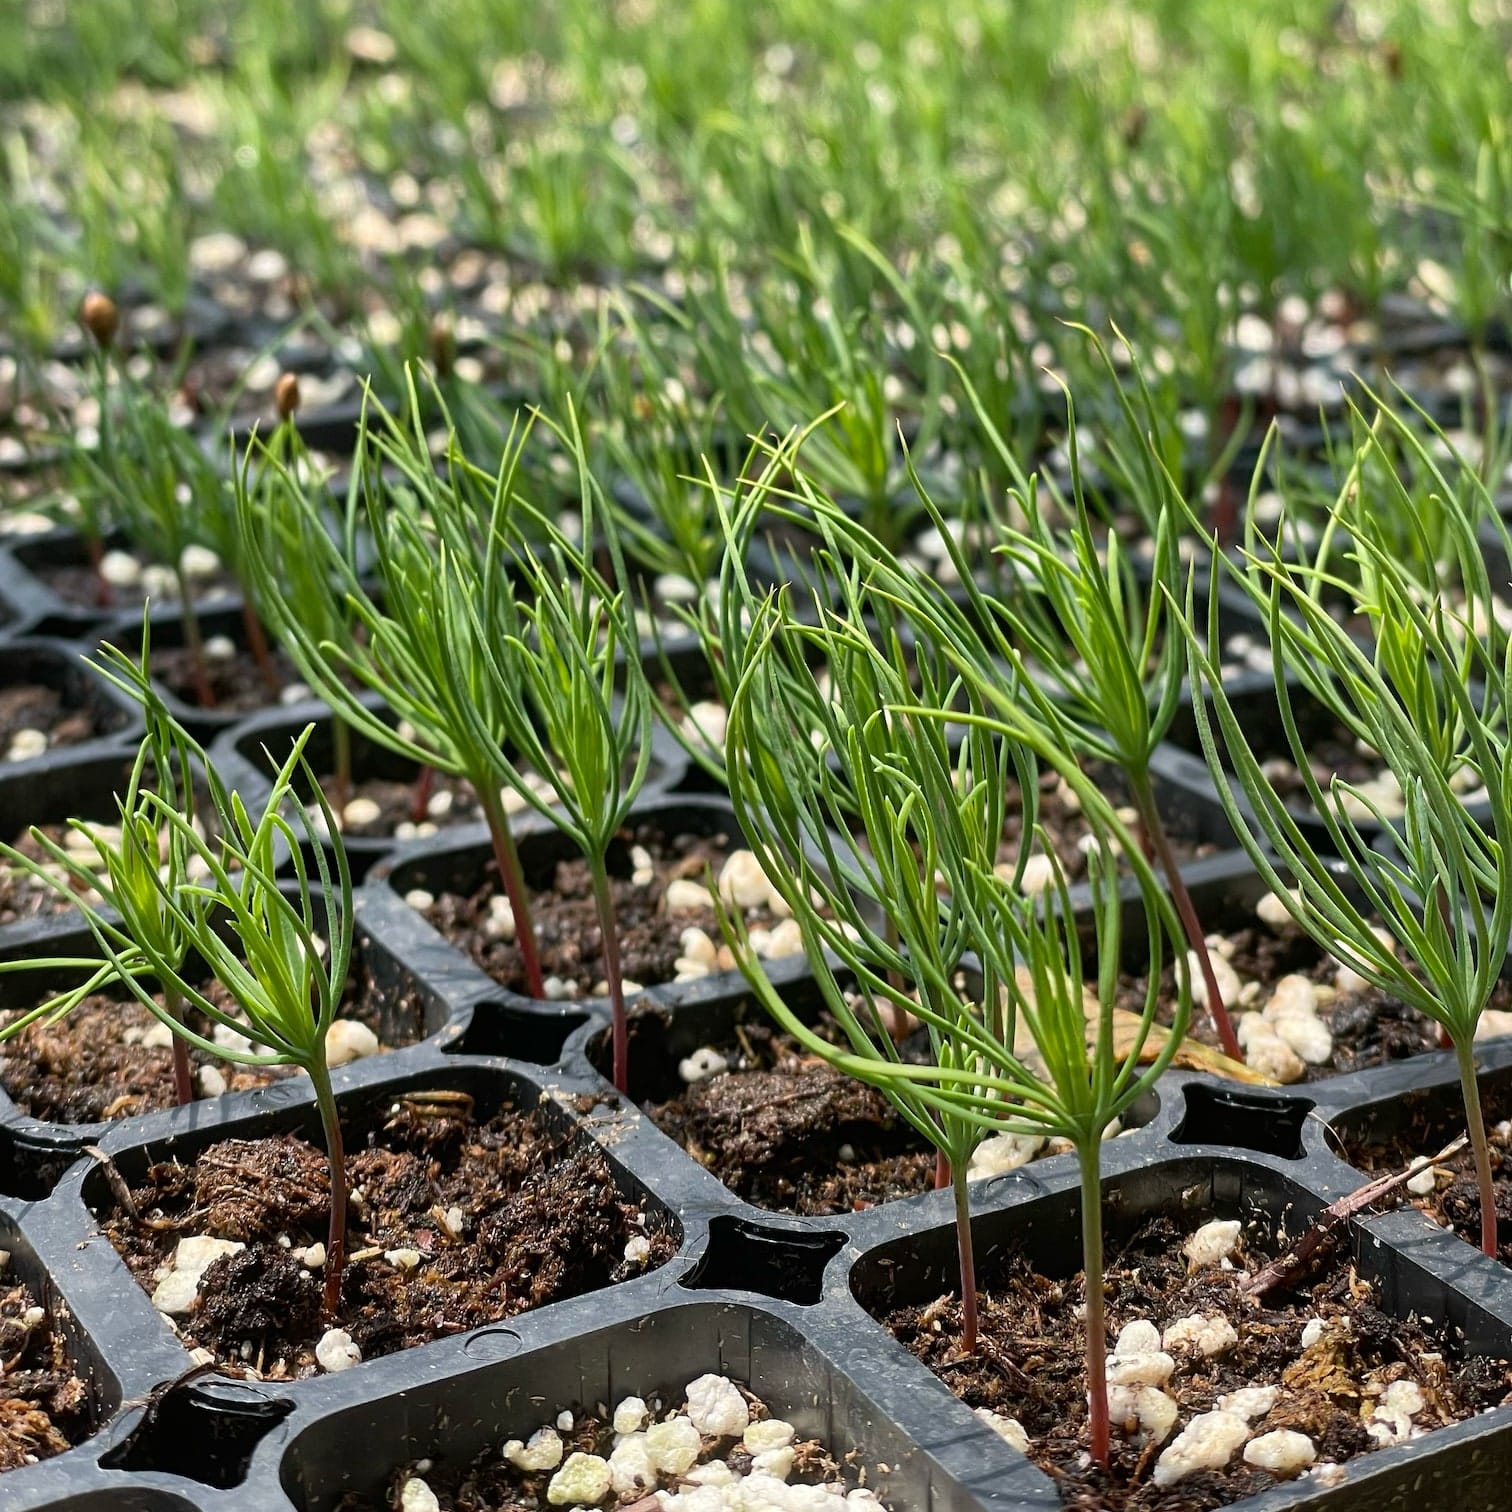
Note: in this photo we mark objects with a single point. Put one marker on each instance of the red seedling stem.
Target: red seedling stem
(1090, 1157)
(508, 861)
(969, 1326)
(330, 1121)
(614, 976)
(183, 1081)
(424, 783)
(257, 642)
(1159, 842)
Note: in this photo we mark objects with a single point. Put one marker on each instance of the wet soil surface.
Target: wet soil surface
(566, 919)
(1031, 1364)
(1454, 1202)
(236, 682)
(44, 1406)
(502, 1215)
(1369, 1027)
(93, 1065)
(781, 1128)
(35, 706)
(492, 1484)
(445, 802)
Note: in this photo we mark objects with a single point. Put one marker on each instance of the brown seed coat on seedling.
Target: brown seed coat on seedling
(443, 344)
(286, 395)
(99, 316)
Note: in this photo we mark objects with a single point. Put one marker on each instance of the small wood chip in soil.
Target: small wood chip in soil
(542, 1220)
(1454, 1202)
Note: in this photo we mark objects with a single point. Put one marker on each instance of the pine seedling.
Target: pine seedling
(493, 638)
(582, 710)
(1069, 633)
(1032, 1051)
(283, 959)
(651, 433)
(286, 516)
(1428, 691)
(218, 901)
(1097, 655)
(737, 512)
(438, 573)
(131, 867)
(151, 476)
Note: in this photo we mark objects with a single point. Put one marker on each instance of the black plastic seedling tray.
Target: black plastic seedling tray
(796, 1327)
(260, 741)
(777, 1301)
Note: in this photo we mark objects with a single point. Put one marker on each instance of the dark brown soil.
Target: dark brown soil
(785, 1131)
(396, 804)
(1333, 754)
(1030, 1366)
(91, 1065)
(1066, 827)
(35, 706)
(1369, 1028)
(492, 1484)
(566, 919)
(1455, 1201)
(77, 583)
(44, 1406)
(542, 1221)
(235, 681)
(23, 896)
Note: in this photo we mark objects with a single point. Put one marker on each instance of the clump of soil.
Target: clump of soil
(44, 1406)
(1454, 1202)
(500, 1214)
(784, 1130)
(93, 1065)
(236, 681)
(1369, 1027)
(35, 706)
(492, 1484)
(566, 918)
(1030, 1364)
